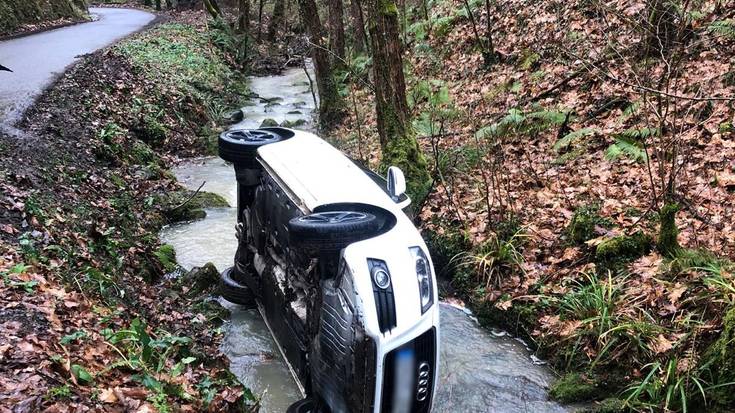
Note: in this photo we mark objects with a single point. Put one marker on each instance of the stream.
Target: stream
(481, 370)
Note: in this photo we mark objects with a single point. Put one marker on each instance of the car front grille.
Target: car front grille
(420, 383)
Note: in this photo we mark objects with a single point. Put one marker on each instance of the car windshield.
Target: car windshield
(379, 180)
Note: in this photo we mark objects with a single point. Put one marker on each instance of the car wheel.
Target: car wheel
(303, 406)
(240, 146)
(235, 292)
(333, 230)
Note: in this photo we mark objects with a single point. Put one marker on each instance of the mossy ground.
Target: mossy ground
(16, 13)
(574, 387)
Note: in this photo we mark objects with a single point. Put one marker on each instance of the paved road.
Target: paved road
(37, 59)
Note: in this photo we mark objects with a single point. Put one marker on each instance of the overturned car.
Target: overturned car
(338, 271)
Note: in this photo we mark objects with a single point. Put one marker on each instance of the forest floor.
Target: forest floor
(549, 167)
(88, 319)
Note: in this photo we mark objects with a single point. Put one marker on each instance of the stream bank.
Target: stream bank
(481, 370)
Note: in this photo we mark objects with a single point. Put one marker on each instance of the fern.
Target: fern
(628, 148)
(521, 123)
(551, 117)
(638, 134)
(724, 28)
(573, 137)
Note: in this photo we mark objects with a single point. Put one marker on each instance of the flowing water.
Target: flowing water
(481, 371)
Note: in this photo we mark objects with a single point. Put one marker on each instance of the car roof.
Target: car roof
(319, 174)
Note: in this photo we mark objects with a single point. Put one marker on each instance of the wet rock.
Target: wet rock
(268, 123)
(271, 101)
(293, 123)
(299, 104)
(181, 206)
(295, 112)
(200, 279)
(213, 311)
(234, 116)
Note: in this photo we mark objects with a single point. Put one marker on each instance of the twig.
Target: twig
(190, 198)
(311, 85)
(594, 65)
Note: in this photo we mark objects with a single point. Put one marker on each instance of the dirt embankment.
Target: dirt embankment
(28, 15)
(87, 320)
(552, 158)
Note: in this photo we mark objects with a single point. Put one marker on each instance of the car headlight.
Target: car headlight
(424, 277)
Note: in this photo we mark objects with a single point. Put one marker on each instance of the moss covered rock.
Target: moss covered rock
(267, 123)
(574, 387)
(166, 255)
(623, 249)
(180, 206)
(200, 279)
(293, 123)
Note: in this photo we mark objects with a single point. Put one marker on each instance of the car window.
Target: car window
(383, 184)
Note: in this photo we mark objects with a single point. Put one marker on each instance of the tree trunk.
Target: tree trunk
(276, 21)
(337, 30)
(330, 105)
(397, 138)
(358, 26)
(212, 8)
(244, 16)
(260, 19)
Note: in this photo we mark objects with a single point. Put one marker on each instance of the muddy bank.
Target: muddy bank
(101, 328)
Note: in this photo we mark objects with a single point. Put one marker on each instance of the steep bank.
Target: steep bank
(22, 15)
(87, 318)
(550, 158)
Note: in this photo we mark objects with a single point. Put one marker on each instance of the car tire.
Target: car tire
(303, 406)
(240, 146)
(333, 230)
(234, 292)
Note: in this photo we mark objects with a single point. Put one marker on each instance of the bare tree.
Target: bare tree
(276, 20)
(337, 30)
(359, 40)
(243, 19)
(330, 104)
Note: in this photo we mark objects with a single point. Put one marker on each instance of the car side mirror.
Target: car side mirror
(396, 182)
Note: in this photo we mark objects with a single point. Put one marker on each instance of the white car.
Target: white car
(338, 270)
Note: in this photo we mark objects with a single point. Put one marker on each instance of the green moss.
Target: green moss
(403, 151)
(176, 206)
(151, 130)
(611, 405)
(719, 362)
(584, 221)
(574, 387)
(268, 122)
(142, 154)
(668, 243)
(528, 59)
(622, 249)
(15, 13)
(200, 279)
(293, 123)
(166, 256)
